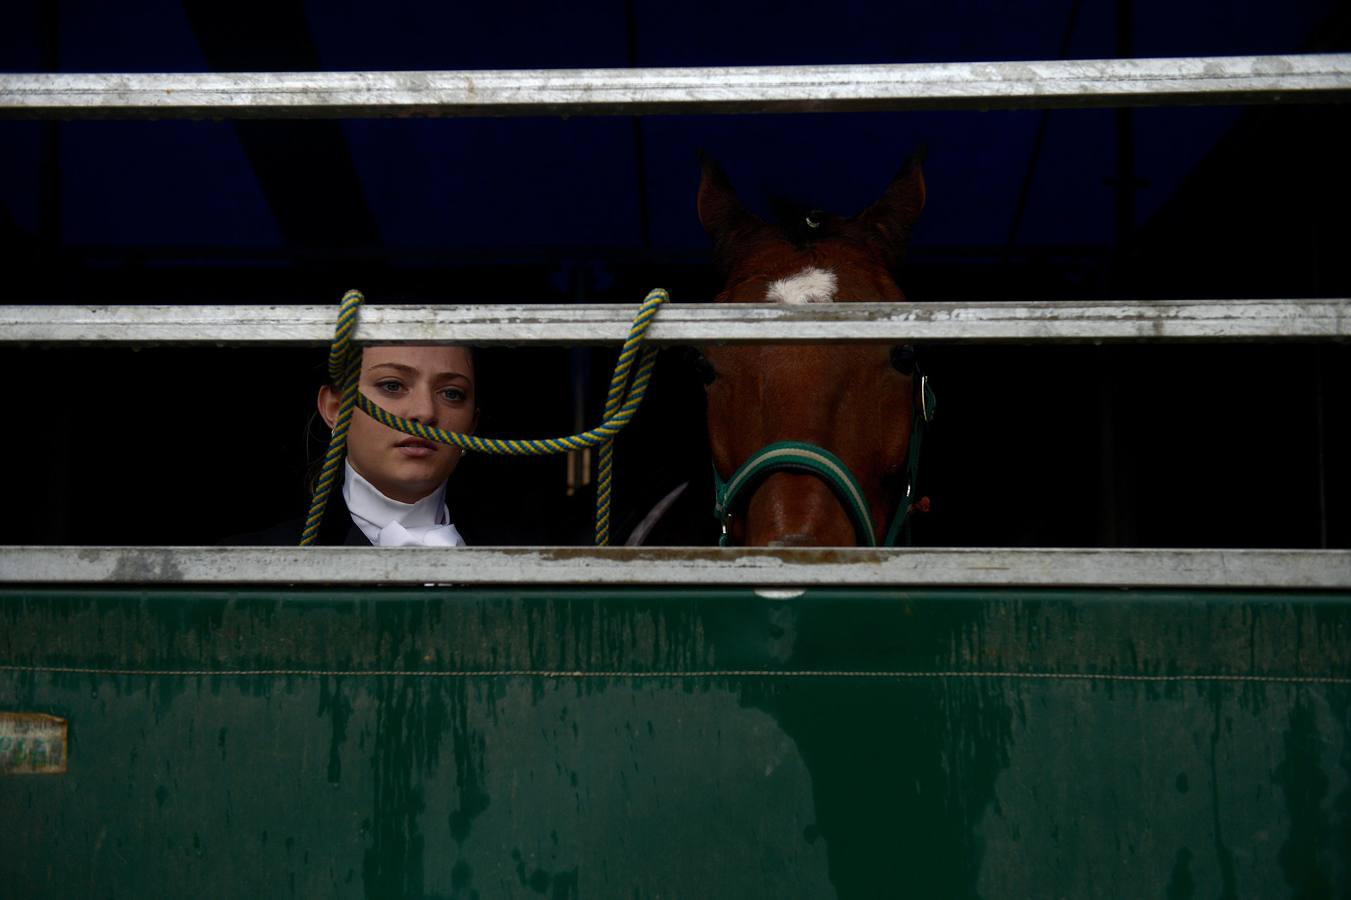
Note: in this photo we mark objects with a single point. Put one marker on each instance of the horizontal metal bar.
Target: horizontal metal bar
(1061, 321)
(1283, 569)
(567, 92)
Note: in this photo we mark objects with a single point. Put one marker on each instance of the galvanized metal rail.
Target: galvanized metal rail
(1168, 320)
(795, 567)
(1002, 85)
(569, 92)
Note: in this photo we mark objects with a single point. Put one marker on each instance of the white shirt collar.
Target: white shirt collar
(373, 512)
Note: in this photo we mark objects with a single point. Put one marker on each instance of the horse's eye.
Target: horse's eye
(700, 365)
(903, 359)
(707, 374)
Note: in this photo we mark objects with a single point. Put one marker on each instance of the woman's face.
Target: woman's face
(431, 384)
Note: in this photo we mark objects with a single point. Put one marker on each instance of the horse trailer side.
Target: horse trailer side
(723, 723)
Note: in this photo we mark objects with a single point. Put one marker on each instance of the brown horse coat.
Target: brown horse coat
(846, 398)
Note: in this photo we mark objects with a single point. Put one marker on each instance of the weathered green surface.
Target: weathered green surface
(451, 743)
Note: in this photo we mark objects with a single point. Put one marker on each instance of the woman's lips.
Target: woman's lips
(416, 448)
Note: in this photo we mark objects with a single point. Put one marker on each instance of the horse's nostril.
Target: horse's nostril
(800, 539)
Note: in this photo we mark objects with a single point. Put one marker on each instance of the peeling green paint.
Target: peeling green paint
(571, 743)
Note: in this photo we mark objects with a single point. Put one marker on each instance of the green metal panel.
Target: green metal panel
(656, 743)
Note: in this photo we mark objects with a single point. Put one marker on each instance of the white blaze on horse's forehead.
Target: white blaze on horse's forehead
(811, 285)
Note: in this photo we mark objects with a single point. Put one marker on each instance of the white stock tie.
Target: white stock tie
(395, 535)
(390, 523)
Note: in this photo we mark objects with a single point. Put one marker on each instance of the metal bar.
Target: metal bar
(1047, 322)
(568, 92)
(1283, 569)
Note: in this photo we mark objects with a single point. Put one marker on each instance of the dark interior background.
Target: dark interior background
(1224, 445)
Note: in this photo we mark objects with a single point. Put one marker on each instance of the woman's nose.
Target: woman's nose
(422, 406)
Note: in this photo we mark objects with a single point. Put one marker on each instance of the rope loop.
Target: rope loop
(628, 386)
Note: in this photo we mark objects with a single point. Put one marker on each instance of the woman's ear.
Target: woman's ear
(328, 403)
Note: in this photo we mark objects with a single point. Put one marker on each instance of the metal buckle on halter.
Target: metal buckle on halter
(925, 409)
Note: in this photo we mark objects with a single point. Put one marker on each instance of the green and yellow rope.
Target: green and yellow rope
(621, 404)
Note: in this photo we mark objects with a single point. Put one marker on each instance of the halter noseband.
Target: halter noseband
(799, 456)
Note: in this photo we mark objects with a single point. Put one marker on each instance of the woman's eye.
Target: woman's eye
(454, 395)
(390, 386)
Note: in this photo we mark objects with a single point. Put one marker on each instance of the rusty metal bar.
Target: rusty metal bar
(791, 568)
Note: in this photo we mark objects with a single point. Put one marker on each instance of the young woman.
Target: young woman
(393, 488)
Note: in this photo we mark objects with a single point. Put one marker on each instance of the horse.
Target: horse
(812, 443)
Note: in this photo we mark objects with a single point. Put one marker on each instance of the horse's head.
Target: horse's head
(855, 401)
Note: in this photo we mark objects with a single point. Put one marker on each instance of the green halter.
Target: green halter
(798, 456)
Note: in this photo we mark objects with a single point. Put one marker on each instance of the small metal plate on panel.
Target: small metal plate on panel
(32, 744)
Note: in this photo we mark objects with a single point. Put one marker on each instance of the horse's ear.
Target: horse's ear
(721, 213)
(889, 220)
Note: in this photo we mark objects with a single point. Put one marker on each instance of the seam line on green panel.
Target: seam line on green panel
(712, 673)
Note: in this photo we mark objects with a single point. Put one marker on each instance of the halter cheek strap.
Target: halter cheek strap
(927, 403)
(799, 456)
